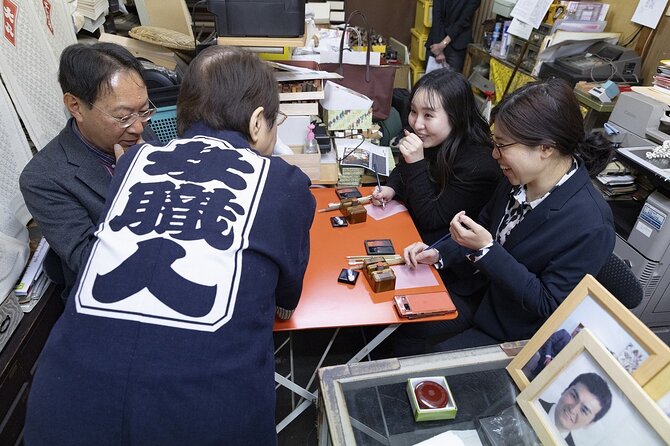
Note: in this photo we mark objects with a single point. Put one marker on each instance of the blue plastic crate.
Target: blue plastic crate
(164, 123)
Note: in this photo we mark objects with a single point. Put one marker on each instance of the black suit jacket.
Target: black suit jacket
(475, 176)
(520, 284)
(452, 18)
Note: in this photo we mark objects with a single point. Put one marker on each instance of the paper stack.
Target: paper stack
(662, 78)
(94, 12)
(615, 185)
(34, 281)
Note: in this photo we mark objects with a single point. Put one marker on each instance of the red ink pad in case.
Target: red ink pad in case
(431, 395)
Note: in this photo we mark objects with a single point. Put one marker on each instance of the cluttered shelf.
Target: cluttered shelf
(477, 54)
(17, 362)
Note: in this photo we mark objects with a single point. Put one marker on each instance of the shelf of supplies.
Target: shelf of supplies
(477, 51)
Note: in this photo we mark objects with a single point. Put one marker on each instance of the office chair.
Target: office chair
(617, 277)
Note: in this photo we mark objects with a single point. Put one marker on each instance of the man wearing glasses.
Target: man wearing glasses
(65, 184)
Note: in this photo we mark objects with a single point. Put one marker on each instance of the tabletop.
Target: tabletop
(326, 303)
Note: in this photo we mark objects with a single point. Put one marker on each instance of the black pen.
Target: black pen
(443, 238)
(379, 186)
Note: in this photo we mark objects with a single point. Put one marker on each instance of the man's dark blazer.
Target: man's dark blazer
(520, 284)
(452, 18)
(547, 407)
(64, 186)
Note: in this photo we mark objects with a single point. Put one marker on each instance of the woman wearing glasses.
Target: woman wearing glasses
(446, 163)
(545, 227)
(167, 337)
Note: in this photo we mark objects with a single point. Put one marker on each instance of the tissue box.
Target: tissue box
(431, 387)
(599, 93)
(611, 89)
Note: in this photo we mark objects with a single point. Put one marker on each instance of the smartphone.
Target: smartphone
(344, 193)
(379, 247)
(413, 306)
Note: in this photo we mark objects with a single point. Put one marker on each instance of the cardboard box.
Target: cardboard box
(447, 412)
(345, 109)
(402, 77)
(417, 48)
(155, 53)
(309, 163)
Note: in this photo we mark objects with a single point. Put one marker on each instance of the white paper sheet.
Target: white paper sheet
(649, 12)
(453, 438)
(432, 64)
(531, 11)
(520, 29)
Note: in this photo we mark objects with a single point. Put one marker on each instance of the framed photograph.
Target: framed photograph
(659, 390)
(591, 306)
(585, 397)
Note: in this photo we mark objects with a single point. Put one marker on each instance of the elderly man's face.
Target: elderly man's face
(576, 408)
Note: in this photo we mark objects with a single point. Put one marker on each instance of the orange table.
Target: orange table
(326, 303)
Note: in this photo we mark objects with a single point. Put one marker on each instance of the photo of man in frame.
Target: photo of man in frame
(581, 405)
(602, 324)
(586, 400)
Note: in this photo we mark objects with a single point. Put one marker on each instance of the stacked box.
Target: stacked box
(423, 21)
(424, 16)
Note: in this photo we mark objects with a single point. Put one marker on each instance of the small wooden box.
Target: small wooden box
(356, 214)
(379, 274)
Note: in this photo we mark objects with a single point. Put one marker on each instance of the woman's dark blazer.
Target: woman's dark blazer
(520, 284)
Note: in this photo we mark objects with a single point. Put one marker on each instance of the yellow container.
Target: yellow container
(284, 54)
(373, 48)
(416, 69)
(417, 49)
(424, 15)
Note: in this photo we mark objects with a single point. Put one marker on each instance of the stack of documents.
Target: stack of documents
(613, 185)
(34, 281)
(94, 12)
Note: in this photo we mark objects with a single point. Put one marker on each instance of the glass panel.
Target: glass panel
(380, 413)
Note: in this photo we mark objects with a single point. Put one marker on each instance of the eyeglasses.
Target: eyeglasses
(281, 117)
(500, 147)
(126, 121)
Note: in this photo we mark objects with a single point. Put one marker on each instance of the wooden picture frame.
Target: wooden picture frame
(608, 319)
(632, 412)
(659, 389)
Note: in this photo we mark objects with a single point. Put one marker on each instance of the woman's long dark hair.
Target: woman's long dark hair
(468, 126)
(547, 113)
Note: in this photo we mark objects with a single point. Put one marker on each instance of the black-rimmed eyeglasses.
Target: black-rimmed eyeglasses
(499, 147)
(126, 121)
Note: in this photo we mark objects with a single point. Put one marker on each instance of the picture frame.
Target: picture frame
(659, 389)
(559, 418)
(590, 305)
